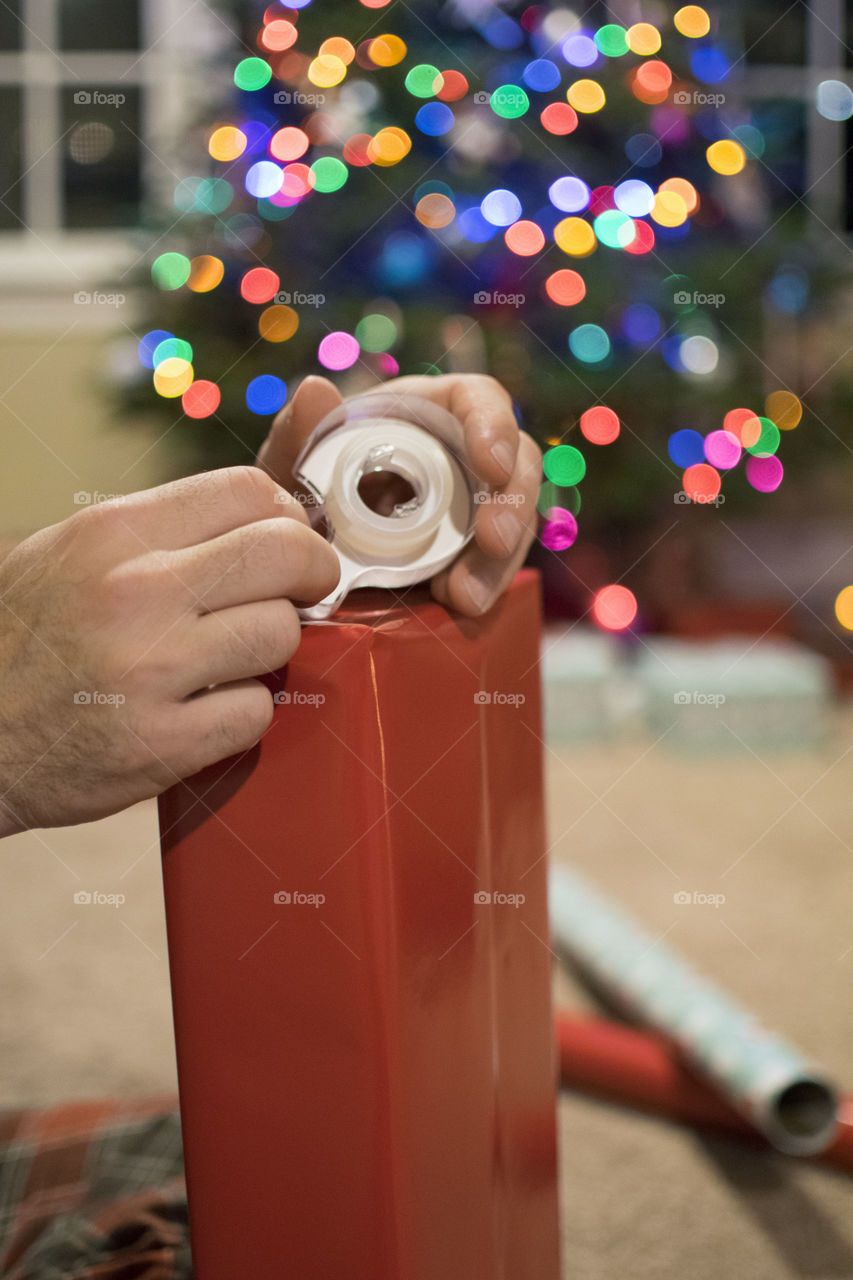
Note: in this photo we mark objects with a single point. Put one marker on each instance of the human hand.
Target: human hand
(497, 452)
(131, 635)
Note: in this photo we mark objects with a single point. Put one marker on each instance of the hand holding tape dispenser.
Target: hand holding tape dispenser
(419, 448)
(356, 910)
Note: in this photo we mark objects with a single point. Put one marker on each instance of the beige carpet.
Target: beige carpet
(86, 996)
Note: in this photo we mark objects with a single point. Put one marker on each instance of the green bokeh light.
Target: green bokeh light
(751, 139)
(273, 212)
(589, 343)
(509, 102)
(376, 332)
(564, 465)
(252, 73)
(614, 228)
(424, 80)
(554, 495)
(611, 40)
(172, 347)
(214, 195)
(330, 174)
(170, 270)
(769, 439)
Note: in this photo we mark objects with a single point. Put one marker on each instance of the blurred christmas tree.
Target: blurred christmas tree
(593, 212)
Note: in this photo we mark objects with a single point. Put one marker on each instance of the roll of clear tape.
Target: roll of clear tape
(401, 441)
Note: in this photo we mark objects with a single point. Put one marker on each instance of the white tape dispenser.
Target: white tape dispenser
(387, 475)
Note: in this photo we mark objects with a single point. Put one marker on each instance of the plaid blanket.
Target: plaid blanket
(93, 1191)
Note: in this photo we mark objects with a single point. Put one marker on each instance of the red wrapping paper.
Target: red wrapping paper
(368, 1082)
(643, 1069)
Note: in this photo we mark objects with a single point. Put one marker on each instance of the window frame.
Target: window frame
(42, 252)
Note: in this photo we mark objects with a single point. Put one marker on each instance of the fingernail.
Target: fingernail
(478, 593)
(503, 456)
(508, 528)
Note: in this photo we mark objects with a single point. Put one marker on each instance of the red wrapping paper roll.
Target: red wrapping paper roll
(642, 1069)
(368, 1082)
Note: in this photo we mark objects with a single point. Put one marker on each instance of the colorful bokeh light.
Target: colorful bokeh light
(338, 350)
(614, 607)
(844, 608)
(259, 285)
(702, 483)
(170, 271)
(266, 394)
(586, 96)
(560, 530)
(785, 409)
(564, 465)
(565, 287)
(599, 425)
(692, 21)
(726, 156)
(201, 399)
(764, 473)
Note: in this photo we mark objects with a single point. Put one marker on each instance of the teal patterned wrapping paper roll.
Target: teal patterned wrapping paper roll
(769, 1081)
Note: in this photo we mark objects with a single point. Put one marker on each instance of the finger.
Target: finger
(473, 583)
(505, 517)
(236, 644)
(486, 566)
(267, 560)
(485, 411)
(216, 724)
(314, 398)
(190, 511)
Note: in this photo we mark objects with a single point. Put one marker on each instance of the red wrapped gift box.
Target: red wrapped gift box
(359, 955)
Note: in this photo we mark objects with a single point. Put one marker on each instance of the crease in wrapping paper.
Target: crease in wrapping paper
(385, 910)
(402, 1105)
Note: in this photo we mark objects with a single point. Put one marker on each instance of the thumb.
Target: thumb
(314, 398)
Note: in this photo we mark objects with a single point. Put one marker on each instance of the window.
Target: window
(101, 156)
(10, 158)
(10, 26)
(99, 24)
(71, 88)
(788, 50)
(91, 93)
(775, 35)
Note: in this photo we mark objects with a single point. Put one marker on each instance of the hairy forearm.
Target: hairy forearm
(10, 823)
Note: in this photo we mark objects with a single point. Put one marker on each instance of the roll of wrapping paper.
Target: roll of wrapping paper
(764, 1078)
(644, 1070)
